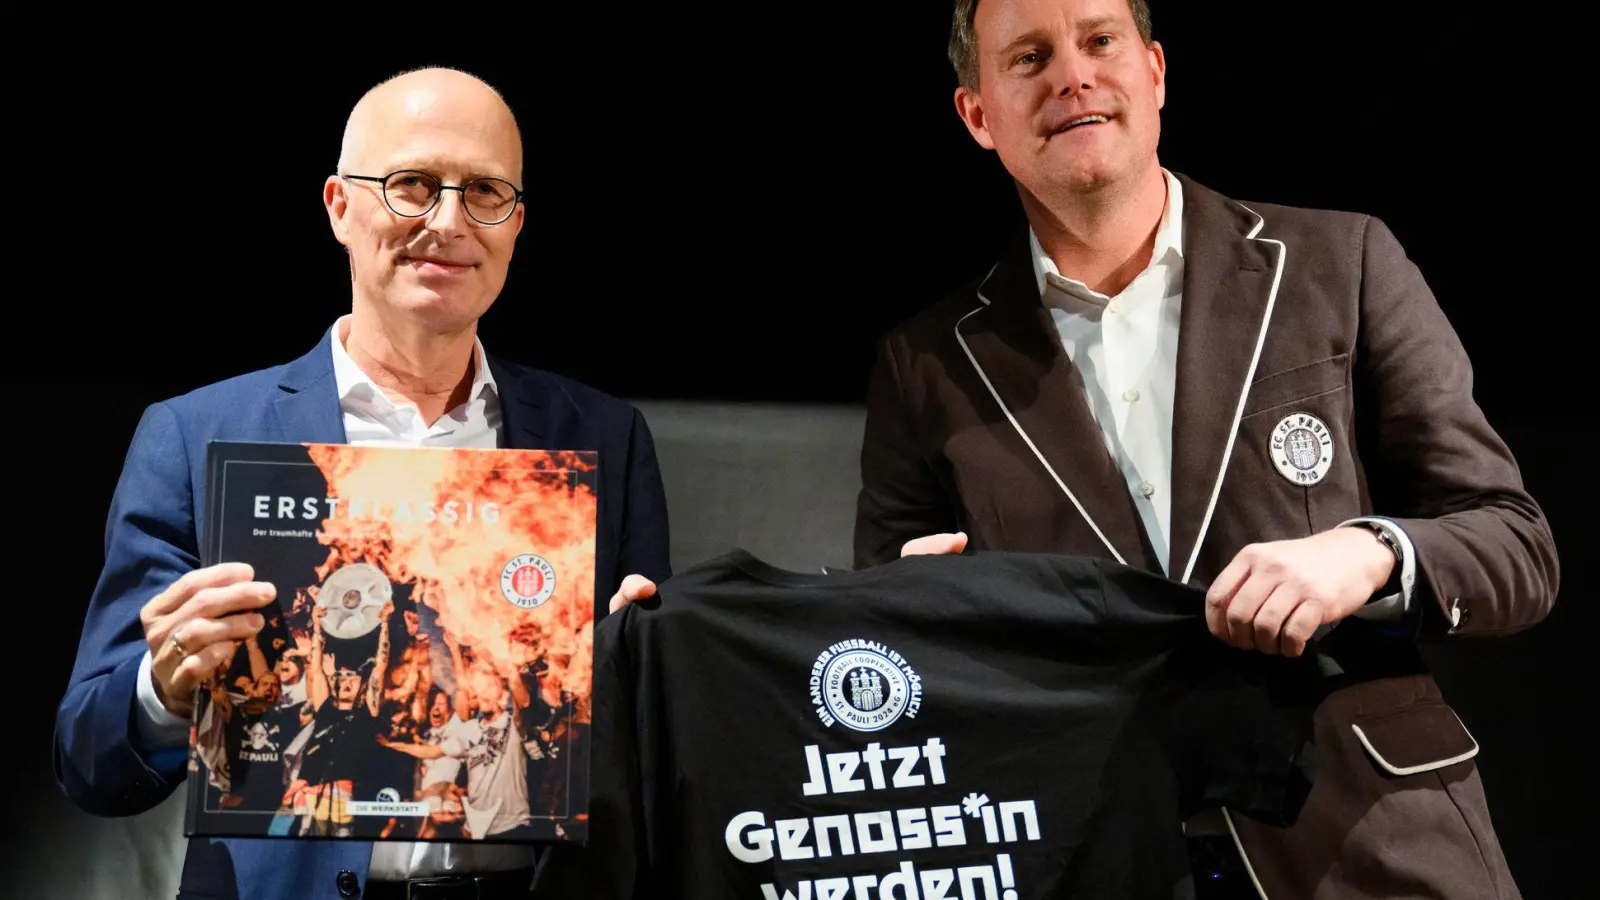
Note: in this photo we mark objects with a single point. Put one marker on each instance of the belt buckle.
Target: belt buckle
(444, 887)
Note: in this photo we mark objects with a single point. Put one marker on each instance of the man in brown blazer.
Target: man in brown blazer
(1262, 400)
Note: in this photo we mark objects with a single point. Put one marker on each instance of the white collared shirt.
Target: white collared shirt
(1126, 351)
(372, 419)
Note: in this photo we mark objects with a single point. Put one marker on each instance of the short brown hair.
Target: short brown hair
(964, 40)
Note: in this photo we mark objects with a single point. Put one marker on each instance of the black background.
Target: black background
(731, 202)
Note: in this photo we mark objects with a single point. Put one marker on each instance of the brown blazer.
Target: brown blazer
(976, 421)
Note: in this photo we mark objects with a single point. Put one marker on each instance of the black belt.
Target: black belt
(508, 885)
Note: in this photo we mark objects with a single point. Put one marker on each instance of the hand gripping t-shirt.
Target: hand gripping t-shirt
(996, 726)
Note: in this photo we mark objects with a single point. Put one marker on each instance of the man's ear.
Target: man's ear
(336, 200)
(969, 106)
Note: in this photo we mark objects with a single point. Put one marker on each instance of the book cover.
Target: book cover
(425, 673)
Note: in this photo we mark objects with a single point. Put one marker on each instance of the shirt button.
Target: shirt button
(348, 884)
(1131, 395)
(1147, 489)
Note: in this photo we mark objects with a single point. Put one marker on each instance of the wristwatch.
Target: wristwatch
(1385, 535)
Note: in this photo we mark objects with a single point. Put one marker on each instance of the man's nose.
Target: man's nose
(1072, 72)
(449, 215)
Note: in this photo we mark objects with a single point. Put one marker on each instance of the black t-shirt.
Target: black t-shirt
(1038, 725)
(343, 746)
(258, 743)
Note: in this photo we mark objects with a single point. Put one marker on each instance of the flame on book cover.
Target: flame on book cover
(426, 672)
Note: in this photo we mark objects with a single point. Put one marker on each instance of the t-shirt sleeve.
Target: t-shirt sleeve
(612, 864)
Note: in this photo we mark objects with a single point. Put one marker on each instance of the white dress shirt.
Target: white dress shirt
(372, 419)
(1126, 351)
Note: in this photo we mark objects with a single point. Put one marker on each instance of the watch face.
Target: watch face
(1383, 535)
(1390, 542)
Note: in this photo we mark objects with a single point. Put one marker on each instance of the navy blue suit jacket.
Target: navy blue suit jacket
(152, 537)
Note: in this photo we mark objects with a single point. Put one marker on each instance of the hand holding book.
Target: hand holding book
(194, 625)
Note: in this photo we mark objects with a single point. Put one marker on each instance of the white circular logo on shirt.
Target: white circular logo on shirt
(864, 685)
(528, 581)
(1302, 448)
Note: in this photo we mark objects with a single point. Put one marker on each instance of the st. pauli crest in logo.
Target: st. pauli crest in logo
(1302, 448)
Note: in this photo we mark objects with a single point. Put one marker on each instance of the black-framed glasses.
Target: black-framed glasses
(410, 193)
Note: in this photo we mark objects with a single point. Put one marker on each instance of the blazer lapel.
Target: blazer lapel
(522, 420)
(1230, 284)
(1011, 340)
(308, 407)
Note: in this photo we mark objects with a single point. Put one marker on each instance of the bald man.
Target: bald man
(427, 203)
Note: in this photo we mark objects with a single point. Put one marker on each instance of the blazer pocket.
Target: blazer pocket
(1417, 739)
(1287, 386)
